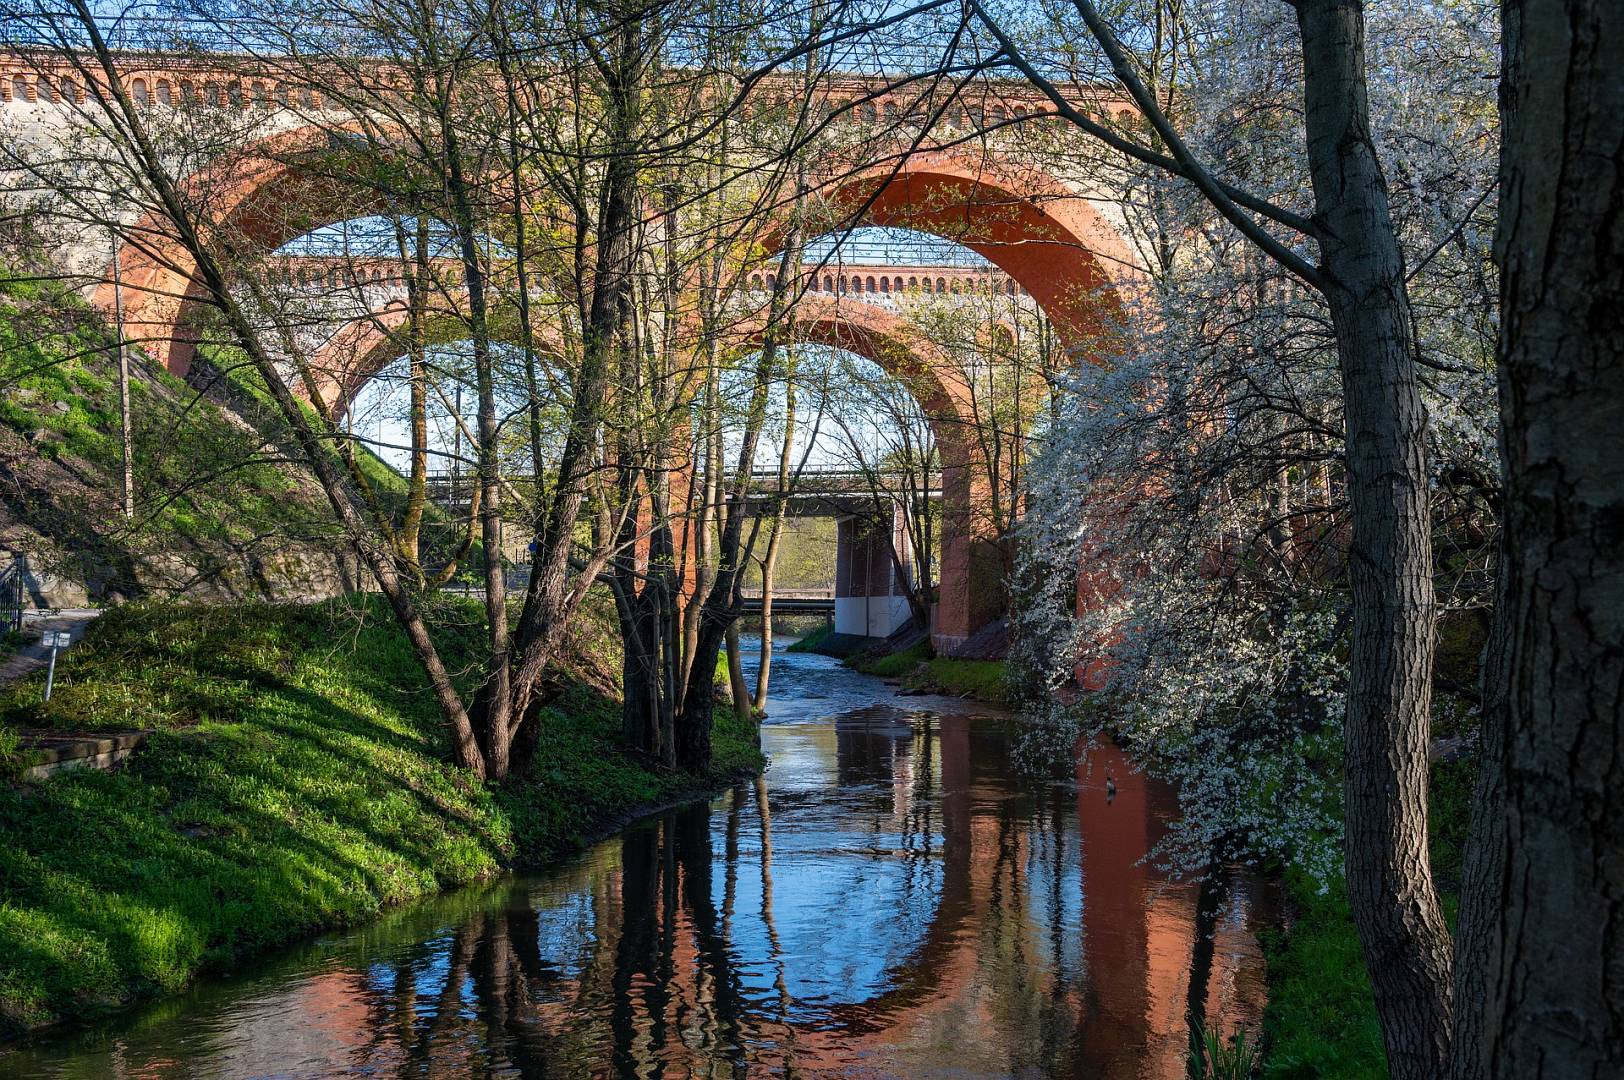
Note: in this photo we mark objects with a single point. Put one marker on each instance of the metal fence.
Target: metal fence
(13, 591)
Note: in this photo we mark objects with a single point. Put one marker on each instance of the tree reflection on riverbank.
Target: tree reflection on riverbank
(892, 901)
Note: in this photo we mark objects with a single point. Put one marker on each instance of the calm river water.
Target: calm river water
(890, 901)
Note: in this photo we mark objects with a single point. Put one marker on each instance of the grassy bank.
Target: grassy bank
(1321, 1018)
(979, 679)
(810, 641)
(892, 665)
(921, 671)
(297, 779)
(223, 510)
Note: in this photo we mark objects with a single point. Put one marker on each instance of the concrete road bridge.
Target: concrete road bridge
(936, 160)
(874, 555)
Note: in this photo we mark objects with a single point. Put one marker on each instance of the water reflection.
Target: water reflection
(891, 901)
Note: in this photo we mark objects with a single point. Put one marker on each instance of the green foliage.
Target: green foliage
(298, 778)
(1211, 1058)
(806, 556)
(10, 642)
(1321, 1020)
(13, 758)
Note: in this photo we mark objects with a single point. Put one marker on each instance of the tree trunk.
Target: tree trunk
(549, 599)
(417, 285)
(769, 559)
(1554, 978)
(1406, 942)
(738, 688)
(708, 446)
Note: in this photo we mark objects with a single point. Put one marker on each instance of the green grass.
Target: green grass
(297, 779)
(13, 758)
(1321, 1018)
(215, 501)
(894, 664)
(10, 642)
(809, 642)
(983, 680)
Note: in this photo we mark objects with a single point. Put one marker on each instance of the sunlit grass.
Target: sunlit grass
(297, 779)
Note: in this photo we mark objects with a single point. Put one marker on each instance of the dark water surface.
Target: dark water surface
(890, 901)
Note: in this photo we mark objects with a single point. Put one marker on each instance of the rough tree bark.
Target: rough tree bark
(1545, 906)
(1406, 942)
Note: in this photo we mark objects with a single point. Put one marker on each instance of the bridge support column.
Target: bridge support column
(971, 594)
(870, 600)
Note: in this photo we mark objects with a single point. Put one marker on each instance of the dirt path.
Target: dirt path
(32, 656)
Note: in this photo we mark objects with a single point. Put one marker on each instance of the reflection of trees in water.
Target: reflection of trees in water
(666, 977)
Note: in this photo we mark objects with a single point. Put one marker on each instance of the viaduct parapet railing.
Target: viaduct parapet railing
(872, 281)
(828, 480)
(169, 81)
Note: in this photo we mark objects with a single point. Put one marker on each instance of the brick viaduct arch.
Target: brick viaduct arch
(1045, 235)
(1052, 241)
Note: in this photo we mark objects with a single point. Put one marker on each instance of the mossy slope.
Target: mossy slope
(221, 510)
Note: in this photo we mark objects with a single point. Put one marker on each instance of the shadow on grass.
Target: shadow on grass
(297, 779)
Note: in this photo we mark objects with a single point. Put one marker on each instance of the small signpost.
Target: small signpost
(55, 640)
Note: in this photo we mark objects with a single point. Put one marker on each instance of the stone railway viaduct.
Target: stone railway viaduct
(1054, 244)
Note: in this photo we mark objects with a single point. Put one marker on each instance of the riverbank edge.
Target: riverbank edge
(916, 669)
(611, 826)
(480, 832)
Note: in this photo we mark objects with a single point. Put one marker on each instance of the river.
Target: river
(891, 900)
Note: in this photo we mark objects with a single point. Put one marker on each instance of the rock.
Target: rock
(62, 406)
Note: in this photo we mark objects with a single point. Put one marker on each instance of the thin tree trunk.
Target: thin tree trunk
(1547, 893)
(411, 525)
(494, 704)
(708, 448)
(126, 447)
(1406, 942)
(550, 598)
(149, 162)
(738, 688)
(769, 559)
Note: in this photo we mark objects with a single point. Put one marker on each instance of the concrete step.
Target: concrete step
(54, 751)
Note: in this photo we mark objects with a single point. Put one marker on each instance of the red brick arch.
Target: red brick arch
(255, 202)
(1051, 240)
(971, 567)
(364, 347)
(1040, 231)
